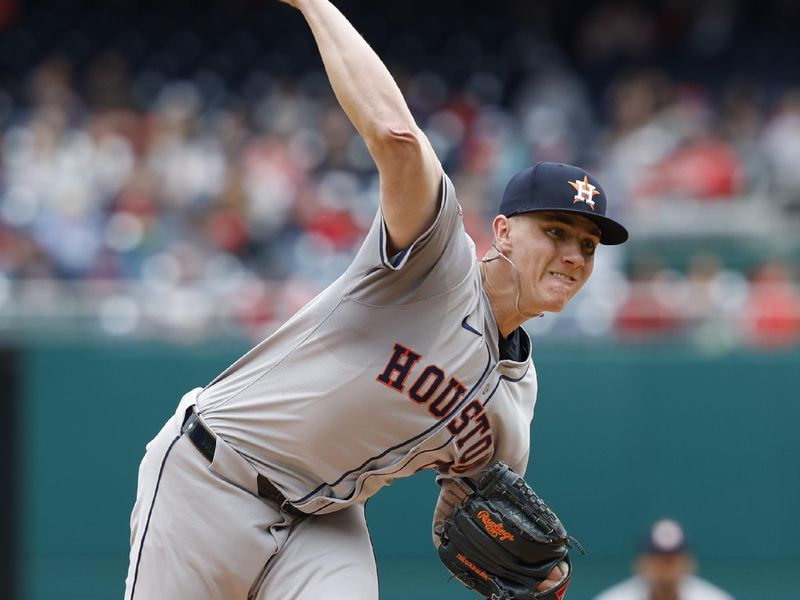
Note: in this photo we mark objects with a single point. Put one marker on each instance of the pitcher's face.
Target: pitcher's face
(554, 253)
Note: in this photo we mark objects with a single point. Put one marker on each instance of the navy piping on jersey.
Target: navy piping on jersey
(507, 378)
(381, 246)
(403, 466)
(150, 514)
(467, 397)
(400, 468)
(399, 258)
(442, 199)
(450, 439)
(385, 259)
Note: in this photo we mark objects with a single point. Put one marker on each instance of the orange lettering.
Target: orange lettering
(493, 528)
(473, 567)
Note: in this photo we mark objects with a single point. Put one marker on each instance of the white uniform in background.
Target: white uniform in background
(690, 588)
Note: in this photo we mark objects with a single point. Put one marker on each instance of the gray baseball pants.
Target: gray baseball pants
(200, 531)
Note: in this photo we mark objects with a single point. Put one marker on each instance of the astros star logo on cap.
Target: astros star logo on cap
(584, 191)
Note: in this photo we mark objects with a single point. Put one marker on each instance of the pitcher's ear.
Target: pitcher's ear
(501, 228)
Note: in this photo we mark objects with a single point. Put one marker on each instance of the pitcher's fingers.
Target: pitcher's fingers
(553, 579)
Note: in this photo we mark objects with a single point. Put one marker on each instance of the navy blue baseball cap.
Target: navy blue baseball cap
(666, 536)
(548, 186)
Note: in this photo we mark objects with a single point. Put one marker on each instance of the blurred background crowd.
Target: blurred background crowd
(176, 179)
(182, 170)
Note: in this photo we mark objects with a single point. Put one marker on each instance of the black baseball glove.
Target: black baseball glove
(503, 541)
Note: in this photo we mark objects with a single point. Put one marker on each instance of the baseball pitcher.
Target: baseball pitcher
(412, 359)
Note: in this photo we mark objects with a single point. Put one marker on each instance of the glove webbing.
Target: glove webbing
(489, 485)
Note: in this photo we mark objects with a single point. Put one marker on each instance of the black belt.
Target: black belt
(206, 443)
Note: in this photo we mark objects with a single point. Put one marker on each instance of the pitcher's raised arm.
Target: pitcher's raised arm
(410, 172)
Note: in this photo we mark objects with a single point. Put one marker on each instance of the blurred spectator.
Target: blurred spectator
(703, 165)
(741, 121)
(8, 12)
(772, 310)
(637, 136)
(664, 570)
(616, 29)
(705, 169)
(115, 153)
(651, 307)
(782, 146)
(714, 299)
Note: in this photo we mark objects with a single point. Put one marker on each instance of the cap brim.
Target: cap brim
(611, 232)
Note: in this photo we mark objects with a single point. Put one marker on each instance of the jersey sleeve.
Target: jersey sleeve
(438, 260)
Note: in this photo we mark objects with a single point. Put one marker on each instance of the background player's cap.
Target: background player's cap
(548, 186)
(665, 537)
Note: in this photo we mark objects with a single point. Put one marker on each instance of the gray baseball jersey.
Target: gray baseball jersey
(392, 369)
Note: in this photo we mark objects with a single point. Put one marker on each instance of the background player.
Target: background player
(664, 570)
(412, 359)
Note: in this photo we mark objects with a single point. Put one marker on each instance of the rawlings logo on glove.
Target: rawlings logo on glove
(504, 541)
(494, 529)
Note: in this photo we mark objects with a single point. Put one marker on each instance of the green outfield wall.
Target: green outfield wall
(622, 436)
